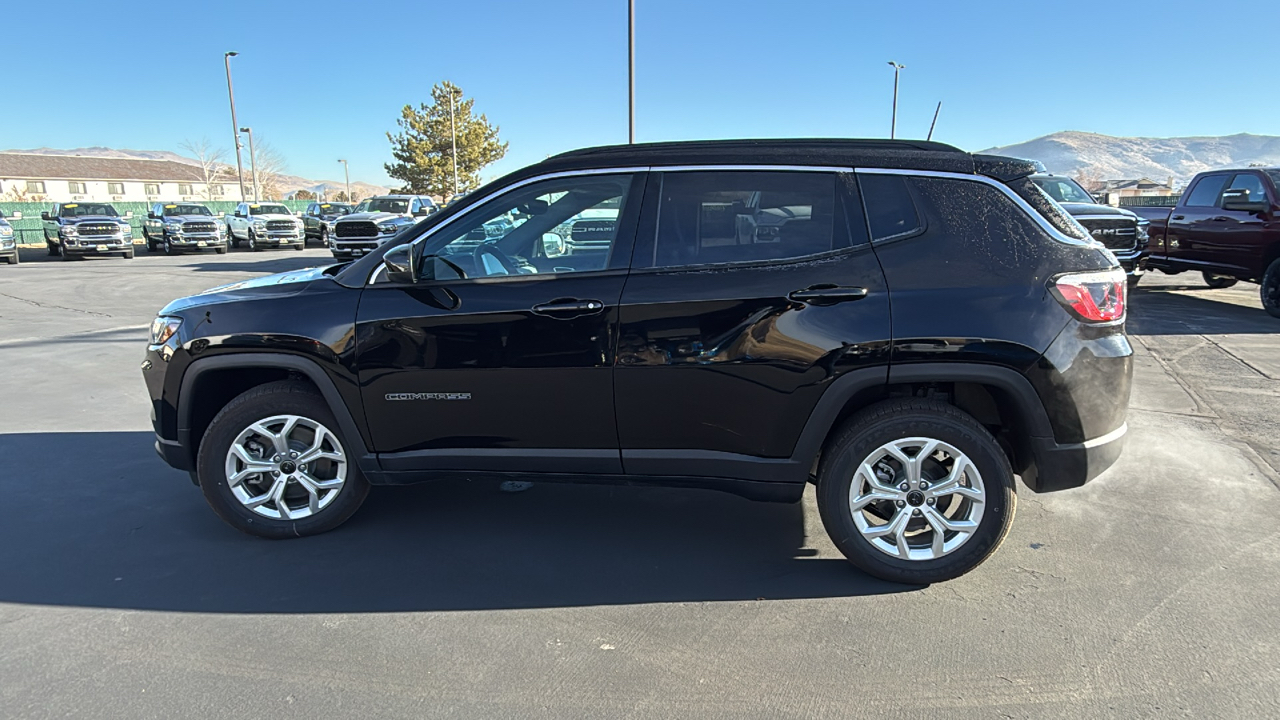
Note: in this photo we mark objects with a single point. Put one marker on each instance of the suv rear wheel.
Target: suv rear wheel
(915, 491)
(273, 464)
(1270, 290)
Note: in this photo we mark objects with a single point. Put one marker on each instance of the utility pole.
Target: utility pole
(453, 131)
(631, 71)
(347, 176)
(253, 163)
(935, 120)
(226, 60)
(893, 128)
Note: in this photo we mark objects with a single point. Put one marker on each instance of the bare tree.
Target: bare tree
(270, 165)
(210, 165)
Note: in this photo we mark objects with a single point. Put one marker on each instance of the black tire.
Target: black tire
(128, 254)
(12, 259)
(1270, 289)
(253, 242)
(53, 249)
(1218, 282)
(151, 244)
(235, 241)
(62, 252)
(253, 405)
(898, 419)
(1134, 280)
(300, 246)
(324, 237)
(220, 250)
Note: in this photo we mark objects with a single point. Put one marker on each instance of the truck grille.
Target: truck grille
(591, 235)
(355, 228)
(1116, 234)
(196, 228)
(98, 229)
(280, 226)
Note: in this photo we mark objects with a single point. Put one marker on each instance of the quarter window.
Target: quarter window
(1250, 183)
(890, 211)
(1206, 192)
(555, 226)
(727, 217)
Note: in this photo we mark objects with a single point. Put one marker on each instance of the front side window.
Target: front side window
(717, 217)
(1251, 184)
(563, 225)
(1206, 192)
(115, 188)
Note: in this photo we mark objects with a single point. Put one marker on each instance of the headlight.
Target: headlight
(126, 229)
(388, 228)
(163, 328)
(1142, 232)
(5, 230)
(222, 229)
(259, 224)
(68, 230)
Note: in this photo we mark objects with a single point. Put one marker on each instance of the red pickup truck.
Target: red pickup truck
(1226, 226)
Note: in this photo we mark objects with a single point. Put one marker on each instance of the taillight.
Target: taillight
(1094, 297)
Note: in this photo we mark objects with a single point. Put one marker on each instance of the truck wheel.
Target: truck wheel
(168, 247)
(235, 241)
(273, 464)
(915, 491)
(1217, 282)
(1133, 280)
(1270, 290)
(146, 237)
(220, 250)
(253, 242)
(13, 259)
(324, 236)
(53, 249)
(128, 254)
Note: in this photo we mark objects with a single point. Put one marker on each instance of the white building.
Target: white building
(26, 177)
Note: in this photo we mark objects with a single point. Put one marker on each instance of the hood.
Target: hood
(371, 216)
(280, 284)
(192, 218)
(93, 219)
(1088, 209)
(273, 216)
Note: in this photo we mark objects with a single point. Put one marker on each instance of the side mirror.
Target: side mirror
(128, 215)
(222, 213)
(552, 245)
(239, 214)
(400, 265)
(1238, 201)
(422, 212)
(44, 215)
(152, 216)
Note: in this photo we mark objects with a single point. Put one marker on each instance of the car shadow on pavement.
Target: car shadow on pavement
(1157, 311)
(263, 262)
(95, 519)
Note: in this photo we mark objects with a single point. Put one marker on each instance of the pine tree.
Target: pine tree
(423, 149)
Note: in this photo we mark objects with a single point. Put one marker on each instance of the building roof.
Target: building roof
(28, 166)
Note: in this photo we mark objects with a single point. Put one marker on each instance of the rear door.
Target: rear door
(1194, 223)
(1238, 241)
(750, 292)
(509, 368)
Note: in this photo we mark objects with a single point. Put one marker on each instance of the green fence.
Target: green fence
(30, 231)
(1150, 201)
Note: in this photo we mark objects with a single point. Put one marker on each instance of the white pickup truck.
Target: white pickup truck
(265, 225)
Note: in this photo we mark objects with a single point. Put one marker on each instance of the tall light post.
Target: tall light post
(631, 71)
(253, 163)
(453, 131)
(226, 60)
(893, 128)
(347, 175)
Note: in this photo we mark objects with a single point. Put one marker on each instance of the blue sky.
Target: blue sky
(323, 80)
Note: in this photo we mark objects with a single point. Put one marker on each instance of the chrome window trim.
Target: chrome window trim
(373, 276)
(1031, 212)
(750, 168)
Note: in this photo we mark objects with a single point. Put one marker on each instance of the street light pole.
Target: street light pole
(253, 163)
(453, 131)
(346, 175)
(893, 128)
(226, 60)
(631, 71)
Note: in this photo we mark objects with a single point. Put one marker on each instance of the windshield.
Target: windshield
(268, 210)
(334, 208)
(386, 205)
(81, 210)
(174, 210)
(1063, 189)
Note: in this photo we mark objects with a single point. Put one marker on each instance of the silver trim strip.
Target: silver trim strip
(505, 189)
(1026, 208)
(739, 168)
(1104, 439)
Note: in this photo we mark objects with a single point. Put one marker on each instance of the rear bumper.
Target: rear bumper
(1065, 466)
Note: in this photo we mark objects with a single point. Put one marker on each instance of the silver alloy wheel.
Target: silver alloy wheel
(917, 498)
(286, 467)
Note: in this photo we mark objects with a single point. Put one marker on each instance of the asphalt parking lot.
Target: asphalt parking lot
(1149, 593)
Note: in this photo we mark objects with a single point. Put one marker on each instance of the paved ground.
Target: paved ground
(1149, 593)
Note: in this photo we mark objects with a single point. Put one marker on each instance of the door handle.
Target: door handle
(1179, 217)
(568, 307)
(827, 294)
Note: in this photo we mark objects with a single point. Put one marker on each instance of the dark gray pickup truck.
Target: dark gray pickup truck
(1226, 227)
(1123, 232)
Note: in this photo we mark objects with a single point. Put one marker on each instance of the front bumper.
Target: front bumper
(280, 238)
(1133, 262)
(355, 247)
(97, 245)
(196, 242)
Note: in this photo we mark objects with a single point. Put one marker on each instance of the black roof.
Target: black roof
(836, 152)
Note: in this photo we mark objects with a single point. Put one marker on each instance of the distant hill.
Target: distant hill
(1105, 157)
(290, 183)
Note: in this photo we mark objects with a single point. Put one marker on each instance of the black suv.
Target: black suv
(903, 324)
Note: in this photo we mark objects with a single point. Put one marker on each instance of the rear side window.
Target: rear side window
(1049, 209)
(1206, 192)
(891, 213)
(727, 217)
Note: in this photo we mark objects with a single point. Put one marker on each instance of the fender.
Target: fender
(351, 434)
(1015, 386)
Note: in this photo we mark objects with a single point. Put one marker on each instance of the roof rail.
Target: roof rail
(831, 143)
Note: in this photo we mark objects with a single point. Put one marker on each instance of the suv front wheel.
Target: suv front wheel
(273, 464)
(915, 491)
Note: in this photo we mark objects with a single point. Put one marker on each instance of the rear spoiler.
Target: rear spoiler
(1005, 169)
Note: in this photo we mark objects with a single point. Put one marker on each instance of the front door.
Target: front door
(509, 368)
(1194, 222)
(751, 290)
